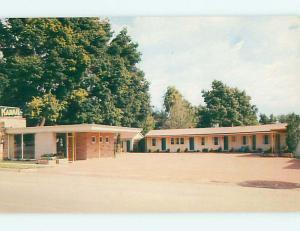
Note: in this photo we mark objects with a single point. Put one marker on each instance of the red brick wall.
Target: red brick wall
(87, 149)
(107, 149)
(81, 146)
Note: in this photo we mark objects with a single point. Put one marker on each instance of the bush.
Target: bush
(219, 149)
(259, 150)
(231, 150)
(157, 150)
(149, 150)
(205, 150)
(198, 150)
(269, 150)
(48, 156)
(186, 150)
(178, 149)
(244, 149)
(168, 150)
(293, 132)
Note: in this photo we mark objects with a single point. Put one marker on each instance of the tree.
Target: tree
(226, 107)
(63, 57)
(44, 109)
(160, 118)
(180, 116)
(264, 119)
(293, 130)
(149, 124)
(179, 112)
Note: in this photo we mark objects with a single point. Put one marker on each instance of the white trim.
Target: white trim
(75, 128)
(22, 146)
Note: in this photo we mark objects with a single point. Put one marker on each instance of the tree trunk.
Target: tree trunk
(43, 121)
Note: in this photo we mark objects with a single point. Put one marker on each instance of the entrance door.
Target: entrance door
(225, 143)
(71, 147)
(192, 143)
(277, 143)
(254, 142)
(128, 146)
(163, 144)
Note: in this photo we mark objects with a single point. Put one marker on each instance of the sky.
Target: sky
(260, 55)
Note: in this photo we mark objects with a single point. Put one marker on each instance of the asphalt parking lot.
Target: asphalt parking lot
(156, 182)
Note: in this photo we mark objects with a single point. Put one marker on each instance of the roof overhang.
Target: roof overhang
(124, 131)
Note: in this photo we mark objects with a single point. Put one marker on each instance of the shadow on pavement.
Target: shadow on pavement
(293, 164)
(269, 184)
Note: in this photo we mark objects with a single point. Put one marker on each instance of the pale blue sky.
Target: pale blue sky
(258, 54)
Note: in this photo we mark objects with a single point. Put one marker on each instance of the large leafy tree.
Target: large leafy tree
(226, 106)
(264, 119)
(80, 63)
(180, 113)
(293, 130)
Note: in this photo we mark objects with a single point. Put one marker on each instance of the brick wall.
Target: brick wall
(89, 146)
(107, 148)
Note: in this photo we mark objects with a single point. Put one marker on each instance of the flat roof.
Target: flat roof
(125, 131)
(218, 130)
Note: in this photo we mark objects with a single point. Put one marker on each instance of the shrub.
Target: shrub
(211, 150)
(168, 150)
(269, 150)
(205, 150)
(186, 150)
(198, 150)
(219, 149)
(149, 150)
(178, 149)
(259, 150)
(231, 150)
(157, 150)
(293, 132)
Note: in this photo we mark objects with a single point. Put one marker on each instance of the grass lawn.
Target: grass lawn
(19, 164)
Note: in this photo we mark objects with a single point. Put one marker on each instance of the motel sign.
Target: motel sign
(9, 111)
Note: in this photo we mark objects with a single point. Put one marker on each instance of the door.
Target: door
(128, 146)
(254, 142)
(163, 144)
(225, 143)
(71, 147)
(192, 143)
(277, 143)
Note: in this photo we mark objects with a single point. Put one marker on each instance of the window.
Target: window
(177, 140)
(245, 140)
(172, 140)
(202, 140)
(106, 139)
(93, 139)
(216, 141)
(266, 139)
(233, 138)
(100, 139)
(153, 142)
(181, 140)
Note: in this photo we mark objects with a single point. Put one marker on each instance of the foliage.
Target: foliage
(45, 108)
(160, 118)
(264, 119)
(79, 62)
(180, 113)
(293, 131)
(226, 107)
(149, 124)
(180, 116)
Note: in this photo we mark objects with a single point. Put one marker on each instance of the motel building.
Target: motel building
(73, 142)
(271, 137)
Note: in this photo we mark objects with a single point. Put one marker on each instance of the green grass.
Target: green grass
(18, 164)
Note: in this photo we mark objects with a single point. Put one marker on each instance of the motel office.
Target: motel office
(270, 137)
(73, 142)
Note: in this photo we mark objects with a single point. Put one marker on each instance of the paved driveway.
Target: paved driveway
(145, 182)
